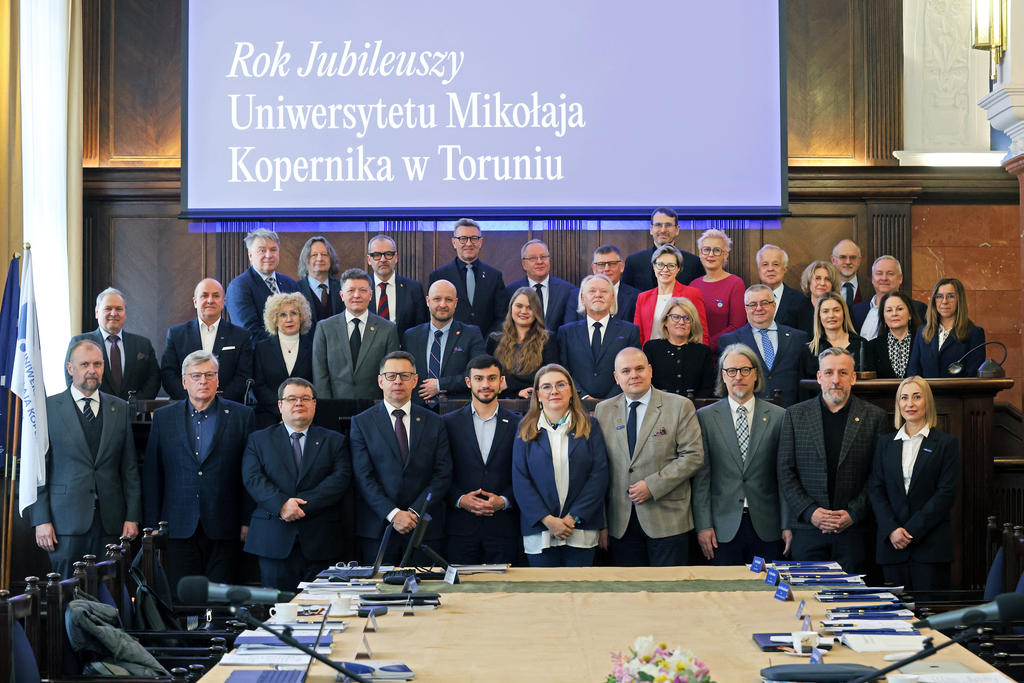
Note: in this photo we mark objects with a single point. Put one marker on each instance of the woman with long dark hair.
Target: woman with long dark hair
(523, 345)
(948, 334)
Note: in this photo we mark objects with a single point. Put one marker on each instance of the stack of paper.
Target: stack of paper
(380, 670)
(877, 626)
(465, 569)
(325, 587)
(873, 642)
(862, 613)
(421, 603)
(842, 596)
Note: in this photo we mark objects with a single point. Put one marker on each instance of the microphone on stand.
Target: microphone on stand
(988, 370)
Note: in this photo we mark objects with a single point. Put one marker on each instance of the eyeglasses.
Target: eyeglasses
(947, 297)
(292, 400)
(659, 226)
(744, 372)
(196, 376)
(762, 304)
(378, 255)
(392, 376)
(531, 259)
(547, 388)
(606, 264)
(676, 318)
(666, 266)
(462, 240)
(707, 251)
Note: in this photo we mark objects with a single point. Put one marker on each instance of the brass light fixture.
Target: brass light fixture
(988, 29)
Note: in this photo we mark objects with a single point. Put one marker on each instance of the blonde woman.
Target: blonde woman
(834, 328)
(819, 277)
(722, 291)
(287, 353)
(679, 360)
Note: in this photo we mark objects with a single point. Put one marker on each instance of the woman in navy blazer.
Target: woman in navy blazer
(947, 315)
(912, 488)
(559, 474)
(288, 353)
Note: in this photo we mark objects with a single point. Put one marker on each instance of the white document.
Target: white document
(863, 642)
(991, 677)
(867, 624)
(263, 658)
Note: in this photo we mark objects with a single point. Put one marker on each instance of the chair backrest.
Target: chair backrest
(17, 647)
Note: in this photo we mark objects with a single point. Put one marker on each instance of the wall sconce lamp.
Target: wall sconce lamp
(988, 29)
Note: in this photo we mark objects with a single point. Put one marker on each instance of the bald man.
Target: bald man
(208, 332)
(442, 347)
(846, 258)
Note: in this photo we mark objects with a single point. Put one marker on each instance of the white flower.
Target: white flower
(644, 646)
(653, 670)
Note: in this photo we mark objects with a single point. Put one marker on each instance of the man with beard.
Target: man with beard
(442, 347)
(825, 455)
(395, 298)
(483, 526)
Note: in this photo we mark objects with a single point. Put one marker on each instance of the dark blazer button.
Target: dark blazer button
(631, 470)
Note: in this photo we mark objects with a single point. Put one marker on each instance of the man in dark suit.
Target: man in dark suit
(92, 494)
(248, 293)
(886, 276)
(792, 308)
(483, 300)
(737, 508)
(399, 455)
(607, 261)
(825, 456)
(348, 348)
(664, 229)
(208, 332)
(398, 299)
(442, 348)
(297, 473)
(318, 278)
(129, 361)
(589, 346)
(192, 476)
(779, 348)
(846, 258)
(555, 295)
(483, 522)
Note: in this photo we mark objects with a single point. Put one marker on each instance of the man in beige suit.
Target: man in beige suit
(654, 447)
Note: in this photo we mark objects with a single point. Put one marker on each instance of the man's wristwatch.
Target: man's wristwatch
(576, 518)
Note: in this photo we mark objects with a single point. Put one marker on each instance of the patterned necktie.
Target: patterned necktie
(355, 341)
(434, 365)
(297, 450)
(87, 410)
(595, 341)
(540, 293)
(272, 283)
(383, 309)
(631, 427)
(115, 364)
(325, 297)
(742, 431)
(848, 293)
(403, 438)
(470, 283)
(769, 350)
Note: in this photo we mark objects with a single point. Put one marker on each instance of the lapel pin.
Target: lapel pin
(226, 411)
(371, 329)
(417, 419)
(458, 333)
(764, 419)
(856, 419)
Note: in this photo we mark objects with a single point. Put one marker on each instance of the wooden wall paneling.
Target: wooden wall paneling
(570, 249)
(407, 235)
(891, 234)
(745, 243)
(884, 80)
(91, 48)
(90, 219)
(231, 255)
(814, 228)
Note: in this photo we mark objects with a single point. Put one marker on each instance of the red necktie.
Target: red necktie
(115, 364)
(382, 302)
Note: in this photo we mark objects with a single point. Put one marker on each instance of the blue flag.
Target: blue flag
(8, 342)
(27, 382)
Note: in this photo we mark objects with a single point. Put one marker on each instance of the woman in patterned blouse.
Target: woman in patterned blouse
(896, 336)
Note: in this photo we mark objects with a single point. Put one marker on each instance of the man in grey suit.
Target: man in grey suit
(737, 509)
(825, 455)
(348, 348)
(92, 494)
(654, 447)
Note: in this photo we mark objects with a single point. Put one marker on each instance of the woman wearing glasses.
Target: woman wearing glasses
(523, 345)
(559, 474)
(912, 489)
(900, 322)
(948, 334)
(680, 362)
(288, 353)
(650, 305)
(723, 292)
(833, 327)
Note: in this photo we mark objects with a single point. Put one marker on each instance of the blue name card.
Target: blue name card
(757, 565)
(783, 593)
(800, 609)
(773, 577)
(816, 656)
(807, 623)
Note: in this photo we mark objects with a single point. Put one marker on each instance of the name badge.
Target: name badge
(783, 593)
(772, 578)
(800, 609)
(757, 565)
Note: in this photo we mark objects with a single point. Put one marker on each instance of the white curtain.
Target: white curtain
(46, 37)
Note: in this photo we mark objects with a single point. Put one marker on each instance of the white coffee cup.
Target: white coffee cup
(340, 605)
(285, 612)
(804, 641)
(901, 678)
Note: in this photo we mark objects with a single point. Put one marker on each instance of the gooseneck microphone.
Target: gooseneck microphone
(989, 369)
(198, 590)
(1007, 607)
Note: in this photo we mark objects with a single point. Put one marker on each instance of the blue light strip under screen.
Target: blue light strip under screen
(322, 227)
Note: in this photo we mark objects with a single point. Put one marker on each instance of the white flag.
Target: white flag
(27, 384)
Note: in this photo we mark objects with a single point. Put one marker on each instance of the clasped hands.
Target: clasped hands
(481, 503)
(560, 527)
(831, 521)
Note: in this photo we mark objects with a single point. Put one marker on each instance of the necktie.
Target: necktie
(540, 293)
(383, 310)
(434, 366)
(272, 283)
(115, 364)
(403, 438)
(325, 297)
(297, 450)
(87, 410)
(470, 283)
(631, 426)
(355, 341)
(769, 351)
(848, 293)
(742, 432)
(595, 341)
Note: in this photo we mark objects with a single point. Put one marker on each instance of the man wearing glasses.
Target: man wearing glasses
(664, 230)
(778, 347)
(607, 261)
(298, 474)
(554, 294)
(483, 300)
(192, 476)
(395, 298)
(399, 455)
(737, 509)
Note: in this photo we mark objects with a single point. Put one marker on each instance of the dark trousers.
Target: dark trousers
(846, 548)
(71, 548)
(637, 549)
(919, 576)
(483, 549)
(396, 549)
(199, 554)
(563, 556)
(745, 546)
(285, 574)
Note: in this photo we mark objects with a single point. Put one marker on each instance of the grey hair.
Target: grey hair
(667, 249)
(381, 236)
(522, 251)
(887, 257)
(261, 234)
(785, 256)
(198, 358)
(468, 222)
(834, 351)
(82, 342)
(749, 354)
(759, 288)
(108, 291)
(581, 309)
(331, 254)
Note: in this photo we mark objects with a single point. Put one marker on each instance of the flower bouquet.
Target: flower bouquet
(648, 661)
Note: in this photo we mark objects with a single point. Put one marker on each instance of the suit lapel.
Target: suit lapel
(301, 354)
(343, 342)
(609, 337)
(453, 340)
(925, 454)
(817, 433)
(195, 340)
(369, 333)
(218, 342)
(784, 342)
(500, 429)
(107, 432)
(758, 426)
(853, 422)
(747, 335)
(309, 452)
(387, 429)
(723, 418)
(180, 425)
(469, 434)
(284, 446)
(651, 418)
(223, 415)
(583, 332)
(67, 412)
(621, 439)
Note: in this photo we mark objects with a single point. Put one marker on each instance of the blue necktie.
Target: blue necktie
(769, 351)
(297, 450)
(470, 283)
(631, 427)
(595, 342)
(434, 364)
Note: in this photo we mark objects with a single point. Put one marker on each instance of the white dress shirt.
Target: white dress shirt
(749, 405)
(911, 447)
(641, 409)
(777, 293)
(604, 326)
(544, 287)
(773, 336)
(389, 287)
(80, 404)
(406, 420)
(208, 334)
(869, 329)
(363, 318)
